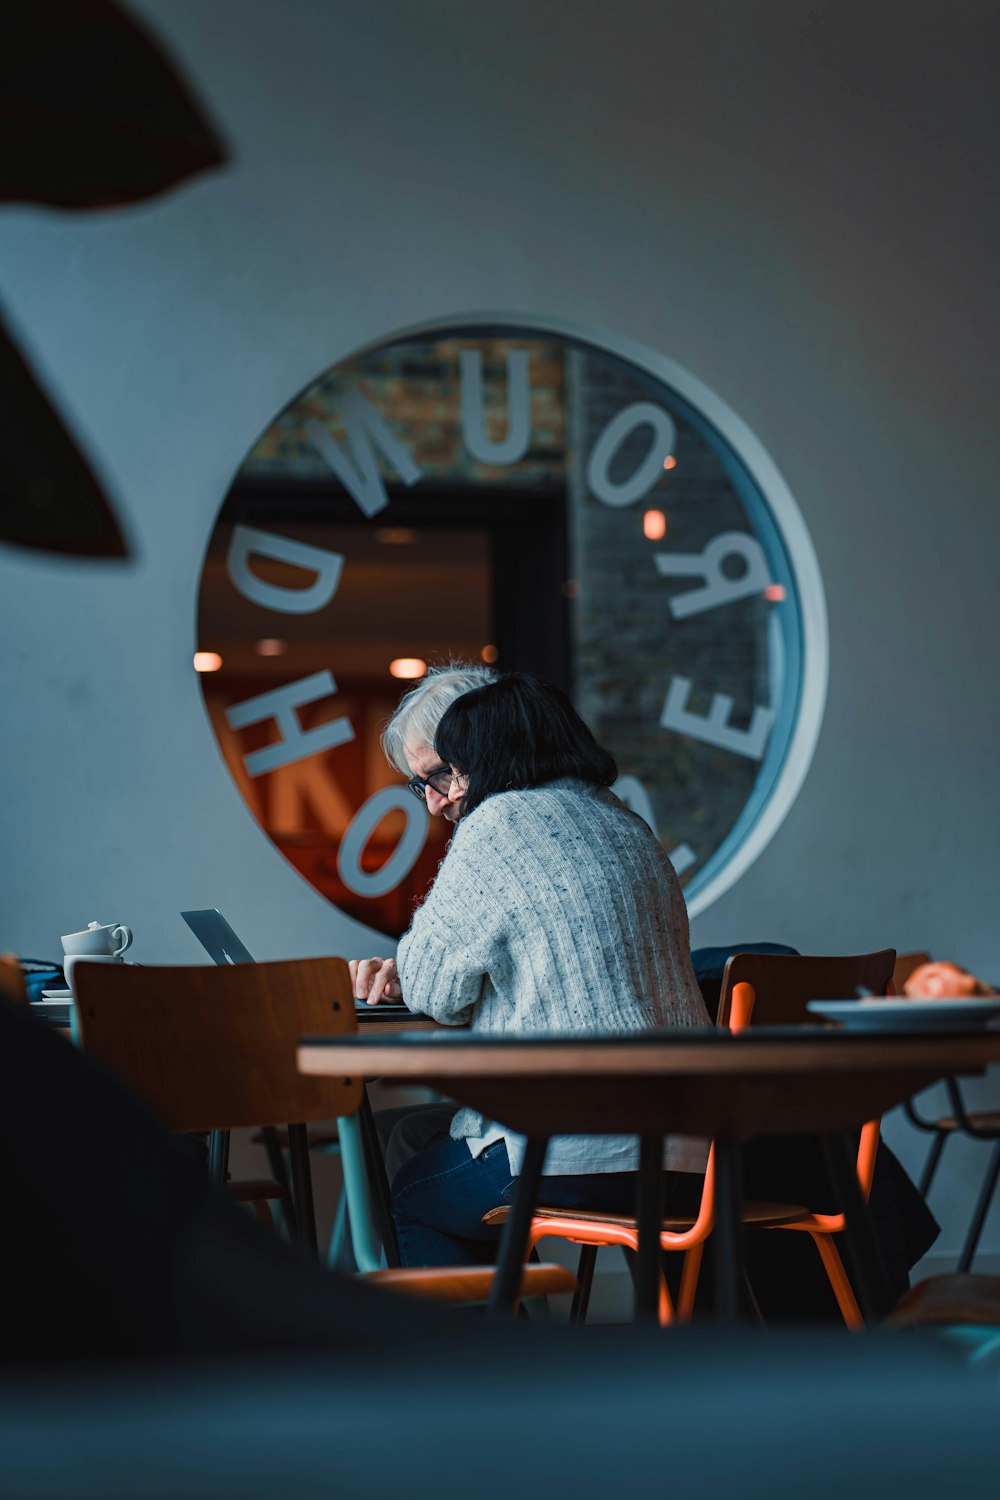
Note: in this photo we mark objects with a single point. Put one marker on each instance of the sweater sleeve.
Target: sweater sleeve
(442, 957)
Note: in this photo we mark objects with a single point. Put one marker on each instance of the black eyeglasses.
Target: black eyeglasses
(439, 781)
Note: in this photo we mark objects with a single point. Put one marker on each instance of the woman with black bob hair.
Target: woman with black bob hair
(517, 733)
(554, 910)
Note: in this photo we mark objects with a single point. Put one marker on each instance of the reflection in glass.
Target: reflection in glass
(527, 501)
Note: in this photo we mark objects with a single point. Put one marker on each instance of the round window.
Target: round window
(535, 500)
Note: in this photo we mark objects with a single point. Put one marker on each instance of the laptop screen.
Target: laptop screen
(217, 937)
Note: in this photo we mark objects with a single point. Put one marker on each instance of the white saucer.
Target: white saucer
(59, 997)
(893, 1014)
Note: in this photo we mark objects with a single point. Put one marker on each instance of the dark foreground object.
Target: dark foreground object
(157, 1342)
(517, 1411)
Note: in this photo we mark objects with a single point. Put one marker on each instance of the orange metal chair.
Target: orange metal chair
(678, 1233)
(772, 989)
(781, 985)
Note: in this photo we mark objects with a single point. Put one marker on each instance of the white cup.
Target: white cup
(98, 941)
(72, 959)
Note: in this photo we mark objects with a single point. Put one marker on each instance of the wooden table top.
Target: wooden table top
(700, 1082)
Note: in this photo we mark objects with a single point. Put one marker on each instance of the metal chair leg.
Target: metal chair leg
(861, 1249)
(278, 1170)
(218, 1158)
(728, 1246)
(514, 1239)
(584, 1282)
(982, 1209)
(931, 1164)
(338, 1234)
(751, 1298)
(298, 1151)
(649, 1218)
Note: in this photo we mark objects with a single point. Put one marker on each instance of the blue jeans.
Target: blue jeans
(440, 1196)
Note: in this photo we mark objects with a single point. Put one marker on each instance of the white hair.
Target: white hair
(421, 710)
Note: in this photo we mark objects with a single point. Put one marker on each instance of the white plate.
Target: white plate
(60, 997)
(892, 1014)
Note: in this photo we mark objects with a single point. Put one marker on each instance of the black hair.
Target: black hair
(519, 732)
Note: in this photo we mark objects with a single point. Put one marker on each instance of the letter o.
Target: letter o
(639, 414)
(363, 825)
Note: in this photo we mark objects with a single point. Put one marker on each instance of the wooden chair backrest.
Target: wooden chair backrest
(905, 965)
(213, 1048)
(783, 982)
(12, 979)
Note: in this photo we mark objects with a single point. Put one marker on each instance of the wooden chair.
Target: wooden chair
(957, 1301)
(214, 1047)
(781, 986)
(905, 965)
(12, 979)
(770, 989)
(978, 1125)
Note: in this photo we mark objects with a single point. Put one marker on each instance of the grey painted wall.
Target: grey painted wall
(796, 202)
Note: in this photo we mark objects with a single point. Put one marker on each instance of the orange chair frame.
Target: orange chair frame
(691, 1240)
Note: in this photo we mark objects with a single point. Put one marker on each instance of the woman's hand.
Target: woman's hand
(375, 979)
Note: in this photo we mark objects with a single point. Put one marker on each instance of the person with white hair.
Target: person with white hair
(555, 910)
(408, 742)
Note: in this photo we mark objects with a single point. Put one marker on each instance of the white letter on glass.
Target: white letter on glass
(717, 588)
(716, 729)
(403, 857)
(327, 566)
(636, 798)
(359, 472)
(295, 742)
(639, 414)
(515, 444)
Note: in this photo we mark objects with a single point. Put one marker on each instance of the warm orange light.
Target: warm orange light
(489, 655)
(397, 536)
(207, 661)
(271, 645)
(775, 592)
(654, 525)
(670, 462)
(407, 666)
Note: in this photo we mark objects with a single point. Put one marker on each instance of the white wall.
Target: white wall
(797, 202)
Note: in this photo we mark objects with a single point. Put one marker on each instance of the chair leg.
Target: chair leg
(278, 1170)
(298, 1151)
(262, 1209)
(752, 1302)
(515, 1239)
(868, 1285)
(584, 1282)
(666, 1315)
(931, 1164)
(335, 1249)
(982, 1208)
(842, 1289)
(218, 1157)
(689, 1283)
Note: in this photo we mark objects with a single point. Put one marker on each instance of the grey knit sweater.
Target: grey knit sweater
(555, 910)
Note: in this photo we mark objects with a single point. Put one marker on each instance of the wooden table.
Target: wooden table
(766, 1081)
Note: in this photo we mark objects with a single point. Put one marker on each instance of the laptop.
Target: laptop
(223, 946)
